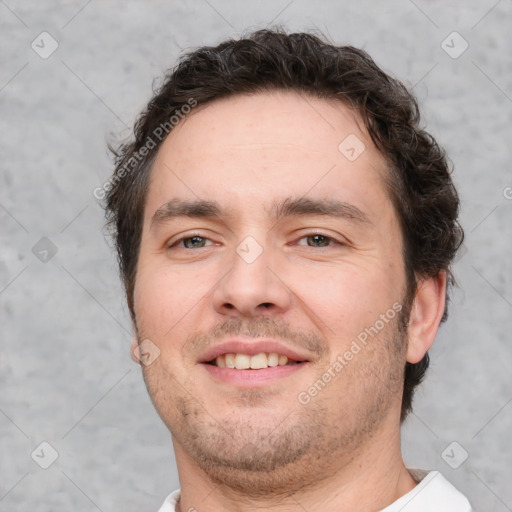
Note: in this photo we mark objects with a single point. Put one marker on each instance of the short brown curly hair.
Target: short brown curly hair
(419, 179)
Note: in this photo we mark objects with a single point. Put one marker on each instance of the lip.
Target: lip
(252, 378)
(251, 347)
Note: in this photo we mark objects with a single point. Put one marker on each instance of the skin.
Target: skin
(247, 448)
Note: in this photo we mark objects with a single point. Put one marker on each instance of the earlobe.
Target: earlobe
(426, 313)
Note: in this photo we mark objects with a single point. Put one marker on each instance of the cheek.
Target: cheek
(344, 301)
(166, 298)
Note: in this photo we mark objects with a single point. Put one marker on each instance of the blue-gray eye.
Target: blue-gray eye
(194, 242)
(318, 240)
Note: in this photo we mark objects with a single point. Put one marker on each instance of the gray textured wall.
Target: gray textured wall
(66, 375)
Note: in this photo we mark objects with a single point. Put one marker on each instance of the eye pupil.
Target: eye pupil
(319, 240)
(194, 241)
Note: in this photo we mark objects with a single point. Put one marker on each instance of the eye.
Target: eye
(191, 242)
(318, 240)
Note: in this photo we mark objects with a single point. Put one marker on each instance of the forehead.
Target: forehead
(251, 149)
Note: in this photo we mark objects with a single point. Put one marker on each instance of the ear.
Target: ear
(426, 313)
(135, 345)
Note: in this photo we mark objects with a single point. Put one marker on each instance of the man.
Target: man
(285, 232)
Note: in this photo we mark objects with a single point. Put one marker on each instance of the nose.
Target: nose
(251, 288)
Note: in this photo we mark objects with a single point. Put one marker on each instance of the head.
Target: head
(244, 148)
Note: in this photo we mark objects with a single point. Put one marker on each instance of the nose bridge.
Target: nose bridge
(251, 285)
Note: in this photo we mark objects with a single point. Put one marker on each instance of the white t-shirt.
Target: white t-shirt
(432, 494)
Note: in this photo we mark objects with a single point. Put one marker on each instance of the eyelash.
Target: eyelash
(307, 235)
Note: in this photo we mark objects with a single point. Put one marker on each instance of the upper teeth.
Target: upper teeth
(256, 362)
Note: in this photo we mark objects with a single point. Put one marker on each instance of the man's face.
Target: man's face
(262, 237)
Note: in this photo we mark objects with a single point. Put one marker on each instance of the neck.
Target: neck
(372, 479)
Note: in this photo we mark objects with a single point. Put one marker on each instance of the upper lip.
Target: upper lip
(251, 347)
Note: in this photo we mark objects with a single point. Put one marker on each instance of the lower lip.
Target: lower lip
(252, 378)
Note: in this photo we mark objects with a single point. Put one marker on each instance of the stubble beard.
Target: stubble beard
(301, 447)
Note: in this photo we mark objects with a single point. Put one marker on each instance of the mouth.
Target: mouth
(245, 363)
(259, 361)
(244, 371)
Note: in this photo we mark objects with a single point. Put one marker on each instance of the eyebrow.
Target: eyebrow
(183, 208)
(289, 207)
(329, 207)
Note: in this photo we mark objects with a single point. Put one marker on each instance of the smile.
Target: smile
(252, 362)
